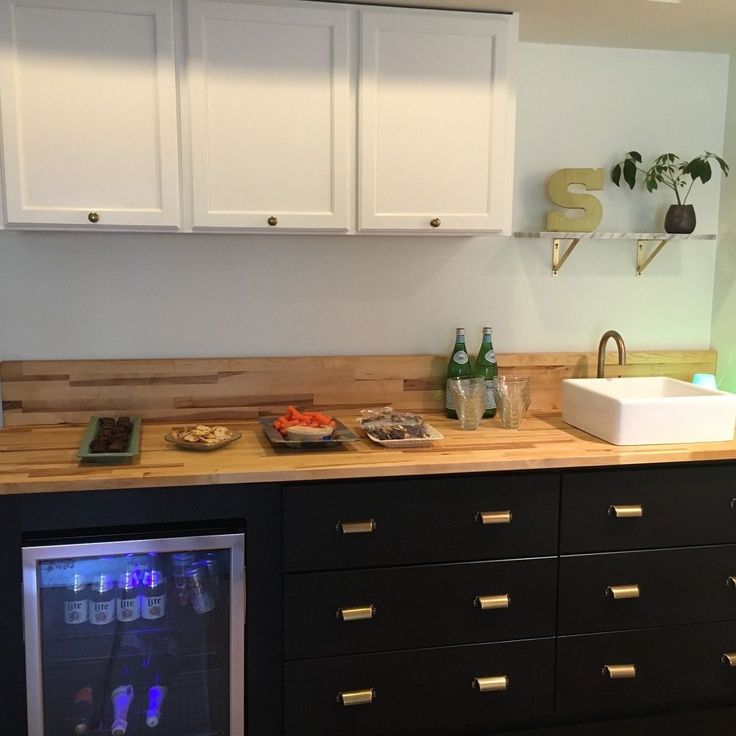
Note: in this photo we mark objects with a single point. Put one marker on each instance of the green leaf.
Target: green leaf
(630, 172)
(651, 185)
(616, 175)
(635, 155)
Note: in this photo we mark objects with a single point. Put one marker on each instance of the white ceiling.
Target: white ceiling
(692, 25)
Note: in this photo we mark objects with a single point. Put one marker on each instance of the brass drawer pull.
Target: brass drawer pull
(360, 613)
(493, 517)
(634, 511)
(356, 697)
(435, 222)
(731, 581)
(622, 591)
(729, 658)
(491, 684)
(356, 527)
(273, 221)
(93, 217)
(488, 602)
(619, 671)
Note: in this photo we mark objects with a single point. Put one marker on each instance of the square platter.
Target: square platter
(131, 451)
(340, 436)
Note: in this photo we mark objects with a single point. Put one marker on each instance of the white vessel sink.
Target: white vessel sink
(648, 410)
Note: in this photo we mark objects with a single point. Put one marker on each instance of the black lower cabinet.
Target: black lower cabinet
(466, 690)
(647, 669)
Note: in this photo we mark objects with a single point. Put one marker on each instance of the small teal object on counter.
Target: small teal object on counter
(706, 380)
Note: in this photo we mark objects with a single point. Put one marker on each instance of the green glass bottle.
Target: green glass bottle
(458, 367)
(486, 367)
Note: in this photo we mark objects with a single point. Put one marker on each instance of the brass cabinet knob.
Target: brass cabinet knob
(435, 222)
(356, 697)
(729, 658)
(731, 581)
(273, 221)
(633, 511)
(356, 527)
(493, 517)
(93, 217)
(358, 613)
(619, 671)
(491, 684)
(489, 602)
(618, 592)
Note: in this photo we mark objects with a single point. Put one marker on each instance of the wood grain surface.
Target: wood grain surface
(36, 459)
(182, 390)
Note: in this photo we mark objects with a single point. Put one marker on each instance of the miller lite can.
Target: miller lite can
(76, 600)
(102, 600)
(153, 596)
(128, 606)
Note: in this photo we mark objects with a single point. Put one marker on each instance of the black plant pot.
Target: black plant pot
(680, 219)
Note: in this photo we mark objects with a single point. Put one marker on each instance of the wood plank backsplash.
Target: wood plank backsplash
(184, 390)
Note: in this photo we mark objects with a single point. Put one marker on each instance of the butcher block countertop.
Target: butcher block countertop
(37, 459)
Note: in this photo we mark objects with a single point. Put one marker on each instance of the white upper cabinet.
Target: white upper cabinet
(89, 116)
(436, 110)
(271, 116)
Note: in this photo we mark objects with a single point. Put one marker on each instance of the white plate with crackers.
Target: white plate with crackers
(202, 437)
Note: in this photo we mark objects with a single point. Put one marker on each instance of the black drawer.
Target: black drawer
(680, 506)
(329, 613)
(673, 666)
(674, 586)
(428, 692)
(420, 521)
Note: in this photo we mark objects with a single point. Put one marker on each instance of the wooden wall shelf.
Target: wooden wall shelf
(643, 258)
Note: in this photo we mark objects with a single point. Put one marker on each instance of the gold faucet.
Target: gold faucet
(602, 351)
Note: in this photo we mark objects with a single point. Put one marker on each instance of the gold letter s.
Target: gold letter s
(591, 179)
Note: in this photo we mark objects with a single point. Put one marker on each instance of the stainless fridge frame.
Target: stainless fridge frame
(32, 556)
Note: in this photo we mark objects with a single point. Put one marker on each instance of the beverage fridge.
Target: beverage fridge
(126, 638)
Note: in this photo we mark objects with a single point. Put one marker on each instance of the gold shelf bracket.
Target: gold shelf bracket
(557, 259)
(643, 260)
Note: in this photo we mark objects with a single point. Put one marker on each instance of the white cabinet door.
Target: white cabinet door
(436, 121)
(89, 120)
(271, 118)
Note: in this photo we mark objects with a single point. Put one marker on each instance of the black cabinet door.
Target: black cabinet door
(628, 590)
(404, 521)
(330, 613)
(681, 505)
(429, 692)
(673, 666)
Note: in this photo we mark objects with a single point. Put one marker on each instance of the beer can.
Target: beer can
(180, 564)
(76, 600)
(128, 603)
(153, 596)
(102, 600)
(202, 599)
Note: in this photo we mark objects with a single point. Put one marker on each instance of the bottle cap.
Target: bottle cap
(487, 330)
(459, 330)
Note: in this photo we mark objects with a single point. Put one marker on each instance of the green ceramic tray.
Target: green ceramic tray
(133, 448)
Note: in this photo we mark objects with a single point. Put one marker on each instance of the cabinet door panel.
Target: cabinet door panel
(680, 505)
(271, 117)
(428, 692)
(420, 521)
(412, 607)
(89, 113)
(673, 666)
(675, 586)
(436, 121)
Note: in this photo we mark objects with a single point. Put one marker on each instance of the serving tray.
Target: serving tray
(200, 446)
(433, 436)
(133, 448)
(340, 436)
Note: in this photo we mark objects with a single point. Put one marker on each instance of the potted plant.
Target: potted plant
(674, 172)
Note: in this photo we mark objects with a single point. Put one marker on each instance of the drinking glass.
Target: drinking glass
(512, 399)
(468, 399)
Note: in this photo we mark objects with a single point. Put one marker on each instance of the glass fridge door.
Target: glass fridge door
(136, 637)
